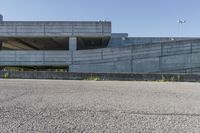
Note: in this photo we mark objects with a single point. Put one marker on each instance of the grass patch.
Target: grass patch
(170, 78)
(95, 78)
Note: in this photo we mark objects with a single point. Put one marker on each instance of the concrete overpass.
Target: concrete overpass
(64, 35)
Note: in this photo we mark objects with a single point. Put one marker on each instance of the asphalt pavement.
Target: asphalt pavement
(98, 106)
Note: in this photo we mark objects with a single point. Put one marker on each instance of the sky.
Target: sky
(139, 18)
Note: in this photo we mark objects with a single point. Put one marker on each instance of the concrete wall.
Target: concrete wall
(100, 76)
(119, 40)
(34, 58)
(63, 28)
(174, 56)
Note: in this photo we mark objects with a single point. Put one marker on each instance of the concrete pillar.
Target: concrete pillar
(72, 43)
(1, 44)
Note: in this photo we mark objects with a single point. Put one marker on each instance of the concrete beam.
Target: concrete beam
(54, 29)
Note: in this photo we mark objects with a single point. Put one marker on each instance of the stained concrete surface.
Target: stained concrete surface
(104, 106)
(169, 57)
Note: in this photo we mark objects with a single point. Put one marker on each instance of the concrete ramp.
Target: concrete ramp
(174, 56)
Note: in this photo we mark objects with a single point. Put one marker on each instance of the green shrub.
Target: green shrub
(167, 78)
(6, 75)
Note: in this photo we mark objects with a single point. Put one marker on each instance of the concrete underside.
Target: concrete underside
(51, 43)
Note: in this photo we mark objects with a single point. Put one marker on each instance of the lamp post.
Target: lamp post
(1, 17)
(181, 22)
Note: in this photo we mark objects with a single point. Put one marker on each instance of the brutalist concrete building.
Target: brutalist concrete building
(89, 46)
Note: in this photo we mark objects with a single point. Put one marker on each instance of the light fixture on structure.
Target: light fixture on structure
(181, 22)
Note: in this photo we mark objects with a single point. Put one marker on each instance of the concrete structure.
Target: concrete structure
(91, 47)
(53, 35)
(99, 76)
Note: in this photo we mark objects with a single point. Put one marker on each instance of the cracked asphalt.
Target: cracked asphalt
(98, 106)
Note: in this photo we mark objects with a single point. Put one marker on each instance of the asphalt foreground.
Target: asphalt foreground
(103, 106)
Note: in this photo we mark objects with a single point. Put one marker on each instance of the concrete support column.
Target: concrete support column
(1, 44)
(72, 43)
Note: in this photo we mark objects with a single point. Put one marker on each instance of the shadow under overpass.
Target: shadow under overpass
(51, 43)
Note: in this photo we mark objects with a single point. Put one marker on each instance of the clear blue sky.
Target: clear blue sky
(136, 17)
